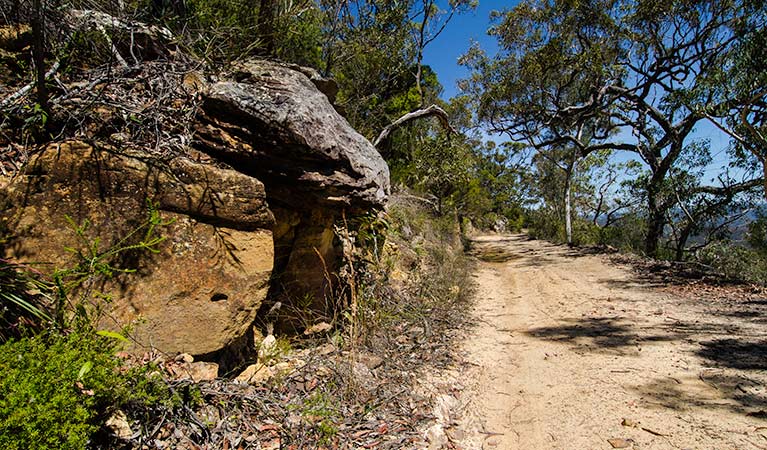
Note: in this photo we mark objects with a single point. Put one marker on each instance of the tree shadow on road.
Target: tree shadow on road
(735, 353)
(711, 390)
(599, 334)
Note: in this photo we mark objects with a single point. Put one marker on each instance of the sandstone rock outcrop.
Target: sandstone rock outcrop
(201, 292)
(271, 121)
(264, 225)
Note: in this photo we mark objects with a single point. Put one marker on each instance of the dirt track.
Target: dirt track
(572, 350)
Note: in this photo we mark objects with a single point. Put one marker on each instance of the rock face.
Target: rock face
(271, 121)
(231, 241)
(201, 292)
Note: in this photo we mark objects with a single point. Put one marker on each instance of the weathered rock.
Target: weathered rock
(118, 424)
(255, 373)
(271, 121)
(267, 348)
(196, 371)
(261, 373)
(202, 290)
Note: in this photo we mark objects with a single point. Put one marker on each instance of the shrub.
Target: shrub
(57, 390)
(734, 262)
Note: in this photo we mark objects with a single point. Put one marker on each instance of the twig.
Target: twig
(27, 88)
(654, 432)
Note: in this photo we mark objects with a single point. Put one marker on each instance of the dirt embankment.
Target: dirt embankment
(576, 351)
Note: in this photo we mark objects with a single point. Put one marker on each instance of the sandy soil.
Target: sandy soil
(574, 351)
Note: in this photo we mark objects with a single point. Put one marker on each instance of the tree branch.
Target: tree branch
(432, 110)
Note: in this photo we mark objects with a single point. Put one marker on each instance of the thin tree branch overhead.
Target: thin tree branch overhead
(433, 111)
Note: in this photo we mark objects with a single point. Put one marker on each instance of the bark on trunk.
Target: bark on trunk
(655, 222)
(38, 51)
(568, 211)
(681, 243)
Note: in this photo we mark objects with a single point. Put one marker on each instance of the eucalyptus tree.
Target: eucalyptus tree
(537, 88)
(739, 86)
(624, 68)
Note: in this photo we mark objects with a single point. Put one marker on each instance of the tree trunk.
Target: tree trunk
(38, 54)
(681, 243)
(655, 222)
(568, 210)
(266, 26)
(764, 171)
(569, 171)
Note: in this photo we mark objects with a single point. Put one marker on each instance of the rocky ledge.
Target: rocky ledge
(248, 211)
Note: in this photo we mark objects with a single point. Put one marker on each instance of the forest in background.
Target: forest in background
(598, 106)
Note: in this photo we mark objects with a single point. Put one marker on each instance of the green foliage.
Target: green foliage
(58, 389)
(421, 277)
(757, 235)
(603, 74)
(735, 262)
(25, 300)
(218, 29)
(299, 35)
(321, 407)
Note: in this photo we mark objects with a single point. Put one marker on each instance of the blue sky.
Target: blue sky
(442, 54)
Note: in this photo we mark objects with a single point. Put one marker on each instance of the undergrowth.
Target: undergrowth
(61, 377)
(420, 279)
(58, 390)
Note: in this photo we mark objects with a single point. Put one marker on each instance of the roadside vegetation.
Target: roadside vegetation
(606, 107)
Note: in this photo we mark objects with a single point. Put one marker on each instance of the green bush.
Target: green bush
(545, 224)
(734, 262)
(57, 390)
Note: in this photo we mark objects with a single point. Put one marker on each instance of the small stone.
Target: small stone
(629, 423)
(200, 371)
(255, 373)
(185, 358)
(318, 328)
(436, 437)
(371, 361)
(620, 443)
(267, 348)
(456, 435)
(325, 349)
(493, 442)
(118, 424)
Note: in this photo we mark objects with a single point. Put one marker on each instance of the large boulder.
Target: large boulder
(272, 122)
(201, 292)
(276, 122)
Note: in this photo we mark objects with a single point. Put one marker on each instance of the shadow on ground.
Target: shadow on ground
(711, 390)
(735, 353)
(599, 333)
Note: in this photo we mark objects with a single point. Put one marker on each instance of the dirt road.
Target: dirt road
(574, 351)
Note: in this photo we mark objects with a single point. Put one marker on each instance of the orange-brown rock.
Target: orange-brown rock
(200, 292)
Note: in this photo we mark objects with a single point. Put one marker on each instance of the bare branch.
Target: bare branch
(433, 110)
(27, 88)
